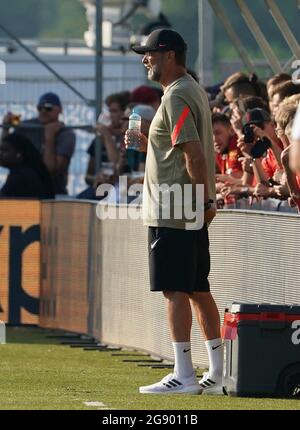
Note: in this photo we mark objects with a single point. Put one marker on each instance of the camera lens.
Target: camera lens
(248, 134)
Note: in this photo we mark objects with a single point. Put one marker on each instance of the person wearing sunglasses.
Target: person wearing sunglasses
(47, 133)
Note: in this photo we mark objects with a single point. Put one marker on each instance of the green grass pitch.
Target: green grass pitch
(37, 372)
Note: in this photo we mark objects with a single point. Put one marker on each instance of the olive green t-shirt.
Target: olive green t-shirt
(183, 116)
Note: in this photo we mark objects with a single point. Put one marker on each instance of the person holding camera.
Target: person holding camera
(261, 145)
(261, 159)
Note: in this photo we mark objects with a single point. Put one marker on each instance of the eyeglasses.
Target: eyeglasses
(45, 108)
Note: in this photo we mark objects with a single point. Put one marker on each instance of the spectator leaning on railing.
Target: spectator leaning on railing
(259, 138)
(267, 168)
(270, 155)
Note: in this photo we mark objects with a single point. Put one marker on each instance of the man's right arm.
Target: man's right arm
(143, 142)
(197, 170)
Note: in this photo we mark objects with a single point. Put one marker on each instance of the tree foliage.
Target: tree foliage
(44, 18)
(66, 19)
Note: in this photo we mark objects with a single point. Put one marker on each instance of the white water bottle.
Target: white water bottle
(2, 332)
(134, 128)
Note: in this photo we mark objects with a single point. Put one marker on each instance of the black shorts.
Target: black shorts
(179, 260)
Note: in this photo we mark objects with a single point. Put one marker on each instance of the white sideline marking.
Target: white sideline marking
(94, 404)
(98, 405)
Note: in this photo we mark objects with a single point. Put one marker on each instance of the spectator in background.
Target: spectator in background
(295, 152)
(261, 160)
(145, 95)
(277, 79)
(272, 173)
(212, 91)
(267, 168)
(111, 134)
(291, 160)
(131, 162)
(272, 83)
(127, 161)
(240, 106)
(251, 102)
(281, 92)
(240, 85)
(55, 142)
(219, 104)
(284, 115)
(232, 169)
(28, 175)
(295, 100)
(227, 152)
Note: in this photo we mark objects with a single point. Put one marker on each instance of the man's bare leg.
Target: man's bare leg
(179, 315)
(207, 314)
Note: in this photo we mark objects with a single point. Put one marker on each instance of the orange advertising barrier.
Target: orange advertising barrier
(65, 241)
(19, 261)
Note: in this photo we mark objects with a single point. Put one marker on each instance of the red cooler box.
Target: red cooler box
(262, 350)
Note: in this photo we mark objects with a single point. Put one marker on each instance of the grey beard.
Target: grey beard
(154, 76)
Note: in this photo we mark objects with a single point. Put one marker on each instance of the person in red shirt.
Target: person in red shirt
(290, 160)
(265, 162)
(228, 167)
(227, 152)
(268, 169)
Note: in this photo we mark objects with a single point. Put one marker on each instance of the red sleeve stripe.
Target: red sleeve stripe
(180, 124)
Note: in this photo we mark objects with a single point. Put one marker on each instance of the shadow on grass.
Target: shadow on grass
(31, 334)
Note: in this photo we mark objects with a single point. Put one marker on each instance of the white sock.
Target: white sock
(215, 349)
(183, 359)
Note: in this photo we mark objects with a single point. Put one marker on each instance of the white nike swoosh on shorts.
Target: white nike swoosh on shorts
(153, 244)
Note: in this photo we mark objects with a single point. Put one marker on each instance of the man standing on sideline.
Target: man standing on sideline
(180, 151)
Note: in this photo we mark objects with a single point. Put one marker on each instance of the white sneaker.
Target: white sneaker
(210, 385)
(171, 384)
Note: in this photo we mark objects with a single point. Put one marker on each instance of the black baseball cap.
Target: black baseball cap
(162, 40)
(256, 116)
(49, 100)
